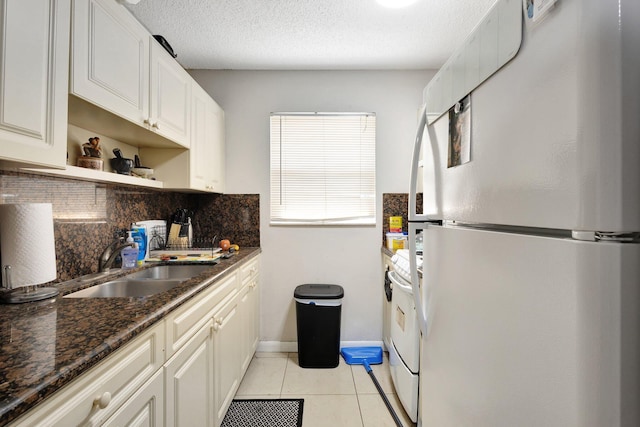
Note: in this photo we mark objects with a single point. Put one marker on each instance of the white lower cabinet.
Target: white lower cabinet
(249, 311)
(144, 408)
(189, 382)
(96, 395)
(226, 360)
(182, 372)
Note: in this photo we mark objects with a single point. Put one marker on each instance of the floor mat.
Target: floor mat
(264, 412)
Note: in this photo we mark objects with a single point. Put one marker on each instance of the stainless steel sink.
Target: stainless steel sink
(126, 288)
(142, 283)
(93, 276)
(183, 272)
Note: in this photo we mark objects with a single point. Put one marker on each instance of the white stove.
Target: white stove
(400, 262)
(404, 352)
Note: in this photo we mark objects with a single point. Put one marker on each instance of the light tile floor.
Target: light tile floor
(342, 396)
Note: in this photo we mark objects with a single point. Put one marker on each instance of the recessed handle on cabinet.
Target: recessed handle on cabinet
(102, 401)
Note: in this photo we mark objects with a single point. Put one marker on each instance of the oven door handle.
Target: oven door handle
(397, 283)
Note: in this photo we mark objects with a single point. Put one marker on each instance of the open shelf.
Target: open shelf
(98, 176)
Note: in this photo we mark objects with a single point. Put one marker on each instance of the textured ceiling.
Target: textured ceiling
(310, 34)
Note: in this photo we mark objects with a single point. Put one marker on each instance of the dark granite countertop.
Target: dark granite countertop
(46, 345)
(388, 252)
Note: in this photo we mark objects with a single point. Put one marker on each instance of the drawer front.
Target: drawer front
(250, 271)
(146, 407)
(98, 393)
(185, 321)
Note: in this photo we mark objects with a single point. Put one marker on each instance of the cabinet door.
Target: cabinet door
(217, 165)
(170, 96)
(184, 322)
(247, 308)
(249, 311)
(110, 62)
(226, 336)
(255, 331)
(201, 150)
(144, 408)
(34, 67)
(189, 382)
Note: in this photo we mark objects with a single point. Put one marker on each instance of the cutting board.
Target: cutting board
(193, 255)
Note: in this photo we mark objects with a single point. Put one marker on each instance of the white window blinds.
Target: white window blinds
(323, 168)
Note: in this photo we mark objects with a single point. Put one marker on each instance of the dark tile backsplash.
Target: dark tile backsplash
(87, 214)
(397, 204)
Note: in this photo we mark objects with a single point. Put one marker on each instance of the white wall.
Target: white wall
(348, 256)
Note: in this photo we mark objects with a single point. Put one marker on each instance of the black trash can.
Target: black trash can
(318, 310)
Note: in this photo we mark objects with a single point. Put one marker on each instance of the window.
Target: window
(323, 168)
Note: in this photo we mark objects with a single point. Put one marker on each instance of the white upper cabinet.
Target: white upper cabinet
(34, 63)
(207, 143)
(201, 168)
(201, 153)
(110, 62)
(118, 67)
(217, 166)
(170, 96)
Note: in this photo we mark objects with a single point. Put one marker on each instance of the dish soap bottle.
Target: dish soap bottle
(130, 253)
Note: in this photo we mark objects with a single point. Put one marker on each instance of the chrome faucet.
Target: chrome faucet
(109, 253)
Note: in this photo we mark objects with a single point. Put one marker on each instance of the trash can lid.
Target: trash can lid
(318, 291)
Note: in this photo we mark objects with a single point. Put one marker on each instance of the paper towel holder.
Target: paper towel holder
(22, 294)
(23, 287)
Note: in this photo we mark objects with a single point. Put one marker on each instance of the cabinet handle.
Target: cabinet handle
(219, 321)
(155, 126)
(147, 122)
(215, 327)
(102, 401)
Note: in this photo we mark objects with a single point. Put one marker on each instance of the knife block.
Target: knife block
(179, 237)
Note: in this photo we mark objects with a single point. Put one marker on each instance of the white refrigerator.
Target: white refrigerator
(529, 305)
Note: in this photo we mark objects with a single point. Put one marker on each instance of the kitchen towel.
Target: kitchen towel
(27, 243)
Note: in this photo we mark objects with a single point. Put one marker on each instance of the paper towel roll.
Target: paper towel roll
(27, 243)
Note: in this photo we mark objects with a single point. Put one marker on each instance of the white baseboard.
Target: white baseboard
(292, 346)
(277, 346)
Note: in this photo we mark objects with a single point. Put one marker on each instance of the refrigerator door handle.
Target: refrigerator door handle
(413, 214)
(421, 311)
(415, 166)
